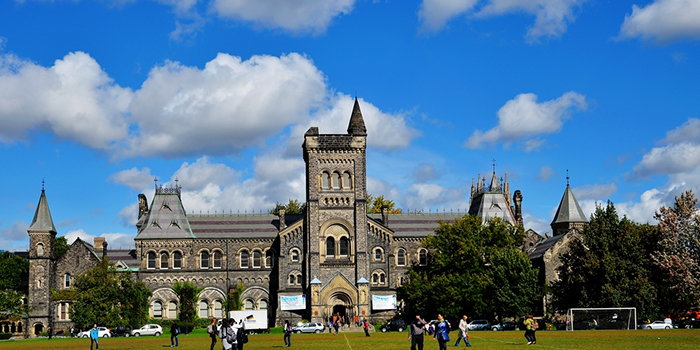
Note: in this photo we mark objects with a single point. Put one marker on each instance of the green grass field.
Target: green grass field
(616, 340)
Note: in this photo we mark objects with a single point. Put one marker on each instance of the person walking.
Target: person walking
(287, 334)
(463, 331)
(225, 335)
(357, 321)
(529, 323)
(336, 323)
(365, 325)
(211, 329)
(49, 332)
(94, 335)
(174, 331)
(442, 332)
(415, 333)
(241, 335)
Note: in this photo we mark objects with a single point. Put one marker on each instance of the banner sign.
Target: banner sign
(293, 302)
(384, 302)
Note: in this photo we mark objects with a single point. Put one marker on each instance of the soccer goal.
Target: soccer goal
(601, 318)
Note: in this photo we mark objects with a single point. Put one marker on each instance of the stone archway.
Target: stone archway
(38, 328)
(340, 303)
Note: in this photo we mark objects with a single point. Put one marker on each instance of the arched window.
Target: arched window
(66, 281)
(204, 260)
(257, 259)
(382, 278)
(378, 254)
(249, 305)
(269, 259)
(325, 181)
(294, 255)
(344, 246)
(151, 260)
(157, 309)
(330, 247)
(218, 308)
(203, 309)
(163, 260)
(40, 249)
(375, 278)
(299, 279)
(346, 181)
(335, 180)
(177, 260)
(401, 257)
(172, 310)
(423, 257)
(217, 259)
(245, 259)
(292, 279)
(262, 304)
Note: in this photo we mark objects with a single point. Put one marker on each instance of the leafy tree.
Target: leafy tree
(11, 306)
(610, 266)
(375, 204)
(188, 295)
(12, 267)
(475, 269)
(233, 300)
(679, 251)
(60, 246)
(109, 297)
(294, 207)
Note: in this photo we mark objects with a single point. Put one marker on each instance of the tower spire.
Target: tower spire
(357, 123)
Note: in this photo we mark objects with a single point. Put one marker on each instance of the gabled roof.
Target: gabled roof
(539, 250)
(569, 210)
(357, 123)
(166, 218)
(415, 225)
(42, 217)
(490, 205)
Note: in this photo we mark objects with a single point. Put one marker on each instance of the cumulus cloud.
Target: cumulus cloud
(75, 99)
(425, 196)
(535, 223)
(136, 179)
(425, 172)
(296, 16)
(663, 21)
(551, 16)
(114, 240)
(679, 154)
(15, 232)
(546, 174)
(595, 191)
(522, 118)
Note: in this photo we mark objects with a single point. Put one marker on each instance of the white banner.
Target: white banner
(293, 302)
(384, 302)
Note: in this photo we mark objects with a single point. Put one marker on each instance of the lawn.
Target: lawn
(616, 340)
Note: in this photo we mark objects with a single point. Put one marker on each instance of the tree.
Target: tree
(678, 256)
(11, 306)
(60, 246)
(472, 264)
(188, 295)
(108, 297)
(12, 267)
(375, 204)
(233, 300)
(294, 207)
(610, 266)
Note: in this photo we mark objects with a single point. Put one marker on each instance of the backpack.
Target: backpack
(242, 336)
(229, 337)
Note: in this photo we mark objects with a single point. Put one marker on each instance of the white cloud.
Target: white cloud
(540, 225)
(551, 16)
(689, 131)
(596, 191)
(425, 172)
(523, 118)
(114, 240)
(128, 216)
(663, 21)
(15, 232)
(670, 159)
(136, 179)
(295, 16)
(425, 196)
(199, 174)
(74, 98)
(546, 174)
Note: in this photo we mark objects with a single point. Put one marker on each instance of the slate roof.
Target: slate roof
(127, 256)
(539, 250)
(165, 218)
(238, 225)
(415, 225)
(357, 123)
(42, 217)
(491, 205)
(569, 210)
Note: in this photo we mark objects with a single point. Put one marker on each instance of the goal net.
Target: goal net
(601, 318)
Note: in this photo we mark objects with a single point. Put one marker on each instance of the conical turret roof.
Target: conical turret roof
(569, 210)
(42, 217)
(357, 123)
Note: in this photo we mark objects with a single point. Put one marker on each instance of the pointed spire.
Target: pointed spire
(357, 123)
(42, 217)
(569, 210)
(495, 184)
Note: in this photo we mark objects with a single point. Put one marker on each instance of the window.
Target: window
(245, 259)
(269, 259)
(325, 181)
(401, 257)
(294, 255)
(336, 181)
(203, 309)
(218, 308)
(64, 311)
(299, 279)
(257, 259)
(177, 260)
(204, 260)
(344, 246)
(66, 282)
(172, 310)
(375, 278)
(158, 309)
(263, 304)
(378, 254)
(382, 278)
(249, 305)
(423, 257)
(163, 260)
(292, 280)
(330, 247)
(217, 259)
(40, 249)
(346, 181)
(151, 260)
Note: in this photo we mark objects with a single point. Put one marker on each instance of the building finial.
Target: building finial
(42, 185)
(155, 179)
(494, 165)
(567, 177)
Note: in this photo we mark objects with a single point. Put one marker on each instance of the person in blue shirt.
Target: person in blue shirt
(442, 332)
(174, 331)
(94, 335)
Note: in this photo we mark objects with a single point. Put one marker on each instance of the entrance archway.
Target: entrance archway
(339, 310)
(340, 303)
(38, 328)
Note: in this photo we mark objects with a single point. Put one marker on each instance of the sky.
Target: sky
(98, 98)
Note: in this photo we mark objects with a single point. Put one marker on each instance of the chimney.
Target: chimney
(104, 250)
(100, 246)
(385, 215)
(281, 210)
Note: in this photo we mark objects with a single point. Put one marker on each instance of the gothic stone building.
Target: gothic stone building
(334, 258)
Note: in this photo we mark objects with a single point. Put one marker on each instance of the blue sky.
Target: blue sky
(100, 97)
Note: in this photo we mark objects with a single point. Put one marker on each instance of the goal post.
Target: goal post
(601, 318)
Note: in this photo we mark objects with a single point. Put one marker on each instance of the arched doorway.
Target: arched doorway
(341, 304)
(38, 328)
